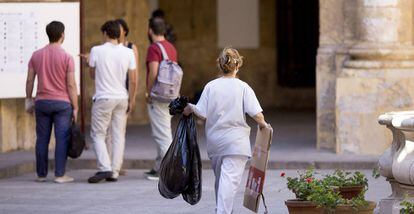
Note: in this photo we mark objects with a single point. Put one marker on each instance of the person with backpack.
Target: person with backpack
(163, 85)
(224, 103)
(169, 29)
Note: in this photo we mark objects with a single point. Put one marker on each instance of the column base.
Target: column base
(375, 56)
(362, 95)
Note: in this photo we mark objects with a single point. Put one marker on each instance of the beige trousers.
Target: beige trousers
(160, 120)
(109, 113)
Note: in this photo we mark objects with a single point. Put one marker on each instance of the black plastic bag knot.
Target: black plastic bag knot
(177, 106)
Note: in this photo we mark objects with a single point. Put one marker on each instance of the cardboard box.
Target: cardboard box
(257, 171)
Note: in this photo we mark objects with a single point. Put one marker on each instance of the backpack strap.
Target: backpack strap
(129, 45)
(164, 53)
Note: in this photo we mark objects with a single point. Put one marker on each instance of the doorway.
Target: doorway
(297, 26)
(297, 41)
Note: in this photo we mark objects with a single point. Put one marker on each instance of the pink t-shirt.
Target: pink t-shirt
(51, 64)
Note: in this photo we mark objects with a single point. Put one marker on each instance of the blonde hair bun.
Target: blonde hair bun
(229, 60)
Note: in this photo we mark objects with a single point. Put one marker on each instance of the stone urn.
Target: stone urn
(397, 162)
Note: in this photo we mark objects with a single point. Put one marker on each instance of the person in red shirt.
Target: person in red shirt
(56, 101)
(158, 112)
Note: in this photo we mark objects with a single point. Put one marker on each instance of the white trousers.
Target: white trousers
(106, 113)
(228, 171)
(160, 120)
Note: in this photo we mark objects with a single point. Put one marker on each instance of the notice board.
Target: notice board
(23, 30)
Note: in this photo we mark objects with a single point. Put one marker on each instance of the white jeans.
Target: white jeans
(228, 171)
(105, 113)
(160, 120)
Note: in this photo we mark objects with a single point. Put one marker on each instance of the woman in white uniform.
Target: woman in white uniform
(223, 104)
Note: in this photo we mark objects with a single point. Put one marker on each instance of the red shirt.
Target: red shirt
(154, 53)
(51, 64)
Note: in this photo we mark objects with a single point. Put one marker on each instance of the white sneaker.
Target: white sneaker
(41, 179)
(152, 176)
(63, 179)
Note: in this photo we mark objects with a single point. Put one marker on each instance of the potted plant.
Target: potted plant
(322, 196)
(302, 186)
(349, 185)
(328, 198)
(407, 207)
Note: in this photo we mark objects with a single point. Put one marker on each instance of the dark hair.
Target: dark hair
(158, 13)
(111, 28)
(157, 25)
(124, 25)
(54, 31)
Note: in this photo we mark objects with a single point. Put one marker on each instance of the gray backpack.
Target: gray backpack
(168, 83)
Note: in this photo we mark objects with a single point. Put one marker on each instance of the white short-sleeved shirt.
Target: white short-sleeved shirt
(224, 103)
(111, 63)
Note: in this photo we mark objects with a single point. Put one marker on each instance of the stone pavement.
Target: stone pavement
(293, 147)
(134, 194)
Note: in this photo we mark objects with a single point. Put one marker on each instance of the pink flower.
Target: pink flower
(309, 180)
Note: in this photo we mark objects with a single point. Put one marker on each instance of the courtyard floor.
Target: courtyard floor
(134, 194)
(293, 147)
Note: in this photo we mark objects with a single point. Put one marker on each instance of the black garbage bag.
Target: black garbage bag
(180, 170)
(175, 166)
(76, 143)
(193, 192)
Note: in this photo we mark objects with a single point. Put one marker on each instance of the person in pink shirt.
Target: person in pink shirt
(56, 102)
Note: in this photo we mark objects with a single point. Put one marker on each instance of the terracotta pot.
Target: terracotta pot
(346, 209)
(350, 192)
(296, 206)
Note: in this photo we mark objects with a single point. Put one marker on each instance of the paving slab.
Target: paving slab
(134, 194)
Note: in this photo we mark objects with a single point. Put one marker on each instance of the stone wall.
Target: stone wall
(136, 14)
(364, 66)
(337, 34)
(195, 23)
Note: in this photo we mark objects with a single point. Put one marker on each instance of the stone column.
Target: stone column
(332, 33)
(385, 35)
(377, 77)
